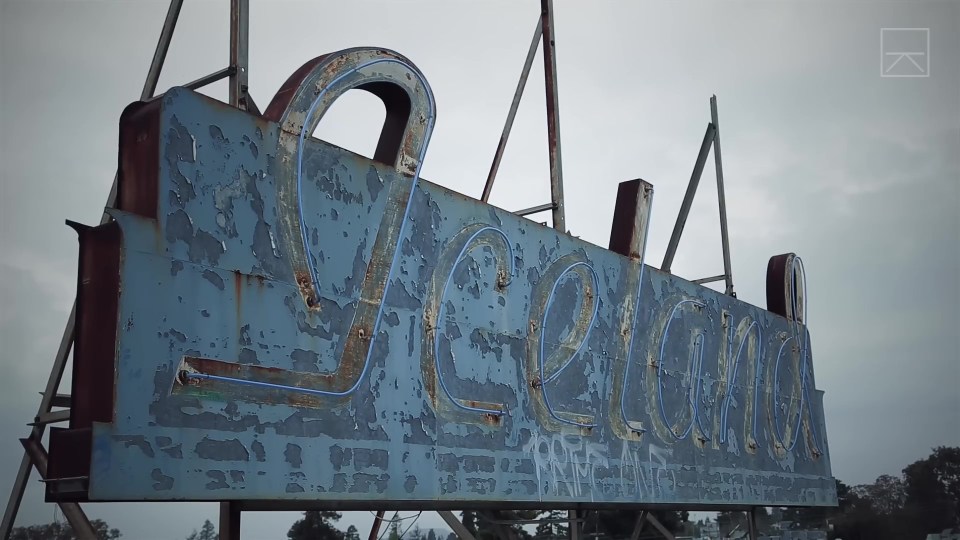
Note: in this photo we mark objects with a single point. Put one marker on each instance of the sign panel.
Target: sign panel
(274, 319)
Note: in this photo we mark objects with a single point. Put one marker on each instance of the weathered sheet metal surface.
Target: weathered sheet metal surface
(299, 323)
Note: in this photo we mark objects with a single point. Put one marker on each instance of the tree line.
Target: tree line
(924, 499)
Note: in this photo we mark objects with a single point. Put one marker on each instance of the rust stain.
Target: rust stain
(305, 284)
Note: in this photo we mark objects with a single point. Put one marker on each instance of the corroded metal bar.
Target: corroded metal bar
(229, 521)
(710, 279)
(36, 434)
(211, 78)
(721, 198)
(553, 114)
(160, 54)
(72, 511)
(375, 528)
(239, 52)
(508, 125)
(535, 209)
(688, 199)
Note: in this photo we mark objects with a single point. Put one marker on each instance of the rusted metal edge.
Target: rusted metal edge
(139, 161)
(98, 297)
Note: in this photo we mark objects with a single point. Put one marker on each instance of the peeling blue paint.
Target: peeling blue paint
(510, 368)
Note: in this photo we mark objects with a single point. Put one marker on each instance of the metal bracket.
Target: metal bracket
(544, 32)
(710, 138)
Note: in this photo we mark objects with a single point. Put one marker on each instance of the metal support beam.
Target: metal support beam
(508, 125)
(160, 53)
(535, 209)
(34, 451)
(375, 528)
(553, 114)
(574, 525)
(60, 400)
(710, 279)
(455, 525)
(638, 527)
(51, 417)
(688, 199)
(752, 529)
(211, 78)
(659, 526)
(724, 238)
(229, 521)
(36, 434)
(239, 52)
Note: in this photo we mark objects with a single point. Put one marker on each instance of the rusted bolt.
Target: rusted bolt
(183, 377)
(535, 383)
(311, 301)
(361, 333)
(492, 418)
(501, 279)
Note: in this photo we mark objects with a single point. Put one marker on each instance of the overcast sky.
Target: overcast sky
(857, 173)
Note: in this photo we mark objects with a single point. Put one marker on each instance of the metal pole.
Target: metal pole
(638, 527)
(688, 199)
(239, 52)
(229, 521)
(727, 269)
(553, 114)
(160, 54)
(752, 523)
(375, 528)
(521, 84)
(72, 511)
(574, 525)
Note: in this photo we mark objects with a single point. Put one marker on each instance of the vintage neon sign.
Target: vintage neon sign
(285, 322)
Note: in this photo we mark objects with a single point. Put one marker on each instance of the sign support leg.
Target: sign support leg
(752, 523)
(455, 525)
(638, 528)
(229, 521)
